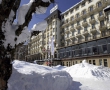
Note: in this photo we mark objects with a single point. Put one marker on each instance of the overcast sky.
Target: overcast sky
(62, 6)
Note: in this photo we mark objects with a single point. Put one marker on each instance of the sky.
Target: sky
(63, 5)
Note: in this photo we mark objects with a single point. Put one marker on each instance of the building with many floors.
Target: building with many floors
(81, 32)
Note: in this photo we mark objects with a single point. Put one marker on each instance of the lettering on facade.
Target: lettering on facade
(53, 9)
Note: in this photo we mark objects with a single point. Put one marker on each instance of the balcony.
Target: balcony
(78, 26)
(92, 21)
(65, 24)
(66, 31)
(85, 33)
(62, 33)
(93, 30)
(78, 35)
(67, 38)
(84, 15)
(72, 29)
(91, 11)
(72, 37)
(102, 17)
(102, 28)
(84, 24)
(105, 3)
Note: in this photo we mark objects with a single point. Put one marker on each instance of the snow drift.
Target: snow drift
(28, 76)
(86, 70)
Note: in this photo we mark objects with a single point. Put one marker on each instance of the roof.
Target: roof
(72, 7)
(107, 8)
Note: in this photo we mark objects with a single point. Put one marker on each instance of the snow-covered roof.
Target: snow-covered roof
(108, 7)
(72, 7)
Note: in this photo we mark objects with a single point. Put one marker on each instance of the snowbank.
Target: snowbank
(28, 76)
(86, 70)
(59, 67)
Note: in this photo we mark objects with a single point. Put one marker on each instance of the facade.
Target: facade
(38, 48)
(81, 32)
(86, 34)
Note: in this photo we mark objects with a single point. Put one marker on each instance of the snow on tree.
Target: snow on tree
(11, 33)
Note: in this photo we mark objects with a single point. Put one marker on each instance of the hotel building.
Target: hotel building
(86, 34)
(81, 32)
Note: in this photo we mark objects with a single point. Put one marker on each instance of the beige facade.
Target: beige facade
(39, 46)
(82, 23)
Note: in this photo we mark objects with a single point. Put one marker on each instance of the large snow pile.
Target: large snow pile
(28, 76)
(86, 70)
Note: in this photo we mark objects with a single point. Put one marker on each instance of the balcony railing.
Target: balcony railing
(92, 21)
(102, 17)
(85, 32)
(102, 27)
(84, 24)
(78, 26)
(93, 30)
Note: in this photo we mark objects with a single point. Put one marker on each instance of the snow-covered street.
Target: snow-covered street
(83, 76)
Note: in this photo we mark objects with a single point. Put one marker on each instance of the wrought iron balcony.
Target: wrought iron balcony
(102, 17)
(92, 21)
(84, 24)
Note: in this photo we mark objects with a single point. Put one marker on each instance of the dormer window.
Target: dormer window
(89, 1)
(83, 4)
(77, 8)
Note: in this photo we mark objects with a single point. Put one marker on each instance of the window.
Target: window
(85, 28)
(100, 13)
(84, 12)
(91, 8)
(80, 61)
(92, 16)
(104, 48)
(62, 17)
(53, 29)
(77, 8)
(84, 19)
(79, 31)
(77, 15)
(95, 51)
(105, 63)
(72, 25)
(78, 23)
(72, 18)
(53, 22)
(89, 51)
(100, 61)
(93, 26)
(94, 62)
(76, 62)
(89, 1)
(67, 21)
(73, 33)
(73, 62)
(83, 4)
(99, 4)
(67, 63)
(89, 61)
(102, 23)
(71, 11)
(103, 33)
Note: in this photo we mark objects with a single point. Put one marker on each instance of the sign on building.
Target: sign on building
(54, 8)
